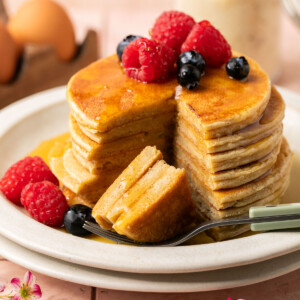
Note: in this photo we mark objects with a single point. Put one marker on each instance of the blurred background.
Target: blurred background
(261, 29)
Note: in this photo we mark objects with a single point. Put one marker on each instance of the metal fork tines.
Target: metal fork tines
(96, 229)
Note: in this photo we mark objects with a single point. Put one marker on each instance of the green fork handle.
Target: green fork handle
(275, 210)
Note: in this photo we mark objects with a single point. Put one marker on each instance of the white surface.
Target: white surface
(169, 283)
(25, 124)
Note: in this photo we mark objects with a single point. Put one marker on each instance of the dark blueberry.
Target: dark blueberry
(189, 76)
(192, 58)
(124, 43)
(75, 217)
(237, 67)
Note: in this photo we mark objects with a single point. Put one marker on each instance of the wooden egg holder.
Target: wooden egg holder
(40, 69)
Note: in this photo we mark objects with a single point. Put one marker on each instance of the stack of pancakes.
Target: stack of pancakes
(228, 137)
(235, 156)
(111, 121)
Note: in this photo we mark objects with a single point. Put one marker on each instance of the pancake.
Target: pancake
(95, 151)
(229, 159)
(137, 168)
(223, 199)
(229, 178)
(162, 212)
(221, 106)
(102, 97)
(137, 191)
(120, 160)
(255, 196)
(75, 177)
(147, 125)
(212, 213)
(73, 198)
(263, 127)
(226, 232)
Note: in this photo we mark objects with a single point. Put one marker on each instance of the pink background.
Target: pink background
(113, 20)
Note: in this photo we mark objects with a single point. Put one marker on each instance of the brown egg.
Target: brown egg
(8, 55)
(44, 22)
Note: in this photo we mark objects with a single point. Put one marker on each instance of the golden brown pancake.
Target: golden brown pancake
(121, 160)
(73, 198)
(96, 151)
(228, 178)
(222, 105)
(220, 161)
(266, 124)
(251, 191)
(76, 178)
(164, 211)
(137, 191)
(102, 97)
(272, 196)
(148, 125)
(137, 168)
(147, 202)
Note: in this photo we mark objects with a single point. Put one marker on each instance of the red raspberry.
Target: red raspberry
(172, 28)
(209, 42)
(29, 169)
(45, 202)
(147, 60)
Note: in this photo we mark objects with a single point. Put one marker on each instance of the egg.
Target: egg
(8, 55)
(44, 22)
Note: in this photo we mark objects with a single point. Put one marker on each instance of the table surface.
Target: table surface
(285, 287)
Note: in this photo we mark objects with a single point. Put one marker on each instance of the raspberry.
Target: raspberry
(172, 28)
(147, 60)
(29, 169)
(45, 202)
(209, 42)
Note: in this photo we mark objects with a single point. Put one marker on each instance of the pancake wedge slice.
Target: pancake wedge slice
(136, 169)
(128, 199)
(165, 210)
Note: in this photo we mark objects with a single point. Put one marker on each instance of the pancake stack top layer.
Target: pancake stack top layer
(149, 202)
(228, 137)
(221, 105)
(102, 97)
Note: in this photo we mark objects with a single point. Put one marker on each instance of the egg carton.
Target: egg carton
(39, 69)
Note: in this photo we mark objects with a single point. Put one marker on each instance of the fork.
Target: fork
(261, 218)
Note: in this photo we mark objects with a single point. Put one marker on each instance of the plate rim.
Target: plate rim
(162, 283)
(34, 104)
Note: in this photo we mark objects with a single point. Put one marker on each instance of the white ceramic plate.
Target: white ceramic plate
(168, 283)
(25, 124)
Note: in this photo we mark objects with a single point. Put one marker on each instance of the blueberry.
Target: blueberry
(192, 58)
(189, 76)
(124, 43)
(75, 217)
(237, 67)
